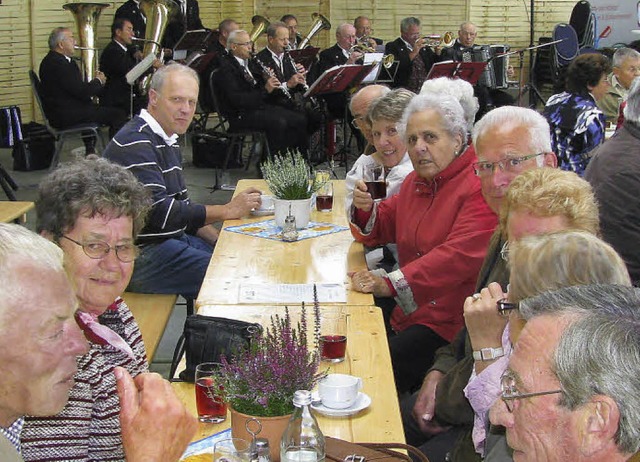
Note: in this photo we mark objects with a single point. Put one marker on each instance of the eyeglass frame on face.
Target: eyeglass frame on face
(355, 120)
(508, 164)
(509, 398)
(106, 250)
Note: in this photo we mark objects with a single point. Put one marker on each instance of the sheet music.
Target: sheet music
(370, 58)
(291, 293)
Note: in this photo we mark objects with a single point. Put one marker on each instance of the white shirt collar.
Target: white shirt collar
(344, 52)
(409, 46)
(121, 45)
(276, 57)
(157, 129)
(242, 62)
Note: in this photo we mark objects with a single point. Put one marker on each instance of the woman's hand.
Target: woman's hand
(484, 323)
(361, 198)
(368, 283)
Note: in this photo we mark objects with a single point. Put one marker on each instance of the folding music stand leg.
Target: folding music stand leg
(7, 183)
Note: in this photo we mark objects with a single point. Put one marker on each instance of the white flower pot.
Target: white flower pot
(301, 209)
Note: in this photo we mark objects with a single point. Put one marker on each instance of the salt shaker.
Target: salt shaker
(289, 230)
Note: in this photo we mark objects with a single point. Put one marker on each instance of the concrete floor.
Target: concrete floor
(199, 182)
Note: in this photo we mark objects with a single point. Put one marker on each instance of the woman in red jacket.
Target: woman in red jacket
(441, 225)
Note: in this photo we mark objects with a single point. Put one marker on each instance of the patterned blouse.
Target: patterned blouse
(88, 428)
(577, 127)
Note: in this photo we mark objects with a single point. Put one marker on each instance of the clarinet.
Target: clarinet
(269, 72)
(305, 86)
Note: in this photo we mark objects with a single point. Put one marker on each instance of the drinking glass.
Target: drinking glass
(324, 198)
(373, 176)
(211, 406)
(333, 336)
(232, 450)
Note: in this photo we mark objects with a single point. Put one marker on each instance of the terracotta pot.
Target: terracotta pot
(272, 429)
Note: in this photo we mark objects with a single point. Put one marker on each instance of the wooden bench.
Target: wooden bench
(152, 313)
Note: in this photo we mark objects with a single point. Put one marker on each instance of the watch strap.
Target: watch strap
(488, 354)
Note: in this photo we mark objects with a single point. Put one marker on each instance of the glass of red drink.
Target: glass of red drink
(211, 406)
(373, 176)
(333, 336)
(324, 198)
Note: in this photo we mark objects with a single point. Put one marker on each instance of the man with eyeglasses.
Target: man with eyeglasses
(626, 67)
(177, 241)
(571, 390)
(438, 418)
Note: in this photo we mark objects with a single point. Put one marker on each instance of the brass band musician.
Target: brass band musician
(291, 22)
(363, 32)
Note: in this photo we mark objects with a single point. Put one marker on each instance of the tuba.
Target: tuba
(260, 25)
(158, 13)
(86, 16)
(319, 23)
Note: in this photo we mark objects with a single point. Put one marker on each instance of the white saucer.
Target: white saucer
(363, 401)
(262, 212)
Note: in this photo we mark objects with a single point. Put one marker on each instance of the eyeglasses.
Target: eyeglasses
(97, 249)
(356, 120)
(510, 164)
(244, 44)
(508, 384)
(504, 251)
(504, 307)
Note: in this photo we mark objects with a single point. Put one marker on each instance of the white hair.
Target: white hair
(460, 90)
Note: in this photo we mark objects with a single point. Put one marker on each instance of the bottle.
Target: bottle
(302, 441)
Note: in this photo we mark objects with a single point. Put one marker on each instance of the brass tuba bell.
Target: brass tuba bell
(260, 24)
(319, 23)
(86, 16)
(158, 13)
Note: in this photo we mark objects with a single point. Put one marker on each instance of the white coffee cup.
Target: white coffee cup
(266, 202)
(339, 391)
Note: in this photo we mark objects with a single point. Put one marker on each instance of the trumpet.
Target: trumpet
(434, 40)
(362, 48)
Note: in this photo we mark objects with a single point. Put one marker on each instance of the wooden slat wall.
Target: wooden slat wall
(25, 26)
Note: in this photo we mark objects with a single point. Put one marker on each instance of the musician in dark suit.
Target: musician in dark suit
(338, 55)
(291, 22)
(363, 31)
(186, 18)
(131, 11)
(462, 50)
(413, 56)
(66, 96)
(116, 60)
(244, 101)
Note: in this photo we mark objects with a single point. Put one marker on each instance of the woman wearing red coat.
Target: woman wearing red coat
(441, 225)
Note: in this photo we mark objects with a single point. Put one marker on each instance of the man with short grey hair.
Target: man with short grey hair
(413, 55)
(614, 174)
(626, 67)
(571, 390)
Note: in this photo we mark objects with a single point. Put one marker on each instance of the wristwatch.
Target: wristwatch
(488, 354)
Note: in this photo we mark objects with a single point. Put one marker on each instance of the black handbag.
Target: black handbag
(206, 338)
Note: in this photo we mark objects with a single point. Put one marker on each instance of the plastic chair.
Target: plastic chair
(61, 135)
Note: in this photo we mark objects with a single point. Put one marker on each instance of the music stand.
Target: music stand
(470, 71)
(339, 79)
(191, 40)
(305, 56)
(380, 73)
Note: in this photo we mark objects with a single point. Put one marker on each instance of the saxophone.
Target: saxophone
(270, 73)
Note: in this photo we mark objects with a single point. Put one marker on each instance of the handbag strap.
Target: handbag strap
(393, 450)
(178, 352)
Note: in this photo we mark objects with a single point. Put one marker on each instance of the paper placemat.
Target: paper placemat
(268, 230)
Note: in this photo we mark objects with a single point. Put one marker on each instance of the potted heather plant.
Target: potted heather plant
(260, 382)
(292, 184)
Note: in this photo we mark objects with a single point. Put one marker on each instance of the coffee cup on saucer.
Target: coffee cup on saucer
(266, 202)
(339, 391)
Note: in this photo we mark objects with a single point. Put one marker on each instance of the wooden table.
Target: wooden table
(238, 257)
(367, 357)
(14, 210)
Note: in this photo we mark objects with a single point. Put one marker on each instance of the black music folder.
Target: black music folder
(339, 78)
(470, 72)
(306, 56)
(191, 40)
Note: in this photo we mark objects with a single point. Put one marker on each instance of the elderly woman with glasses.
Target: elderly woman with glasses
(538, 202)
(577, 124)
(93, 210)
(381, 121)
(441, 225)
